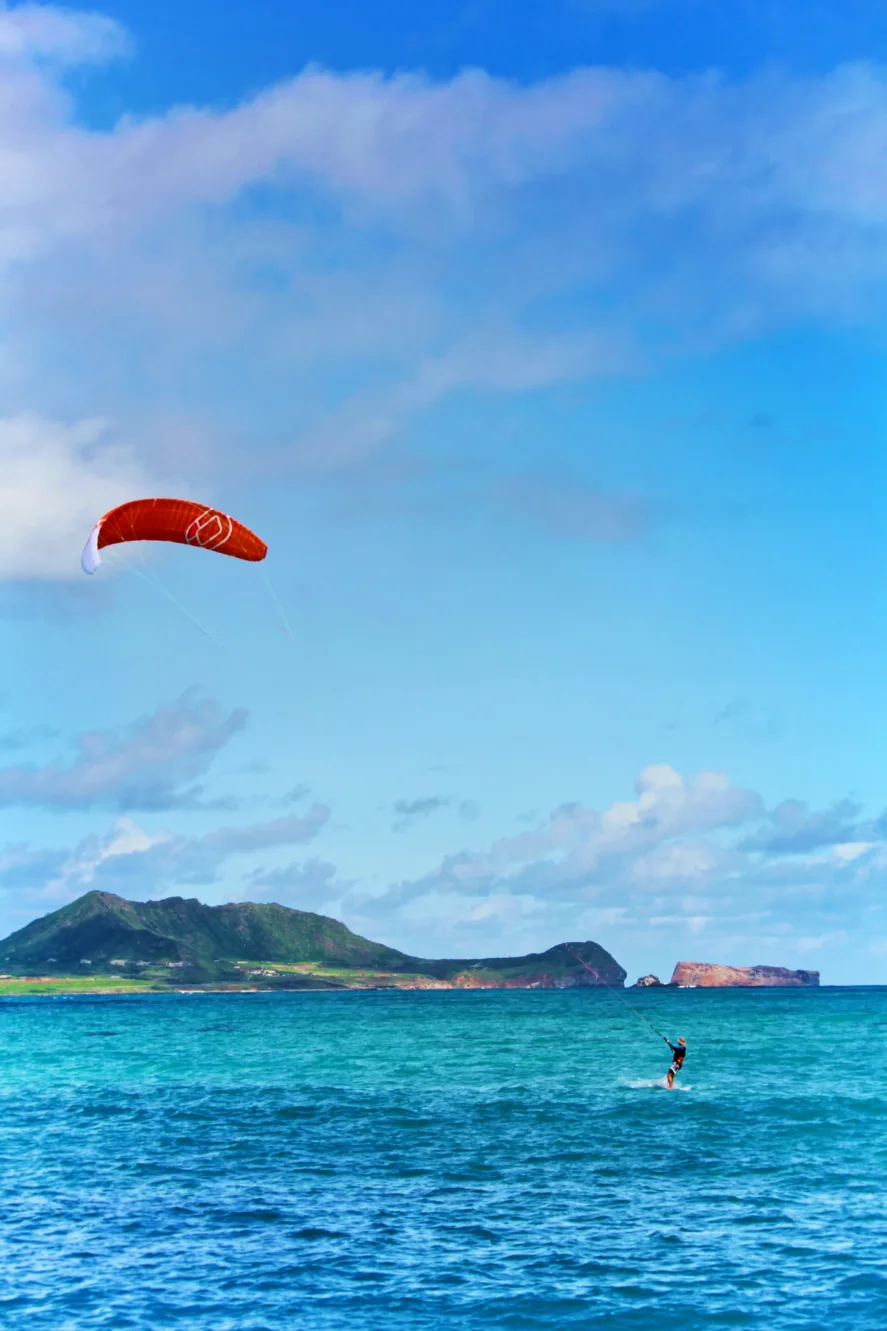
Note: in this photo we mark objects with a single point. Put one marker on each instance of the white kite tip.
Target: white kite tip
(89, 560)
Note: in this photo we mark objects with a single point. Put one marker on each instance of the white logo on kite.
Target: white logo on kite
(210, 530)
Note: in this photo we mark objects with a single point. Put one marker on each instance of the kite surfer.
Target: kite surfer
(679, 1050)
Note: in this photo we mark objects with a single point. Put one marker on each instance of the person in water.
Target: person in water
(679, 1050)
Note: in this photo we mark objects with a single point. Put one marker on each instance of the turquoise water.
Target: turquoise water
(430, 1160)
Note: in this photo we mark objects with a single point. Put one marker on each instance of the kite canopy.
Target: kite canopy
(177, 520)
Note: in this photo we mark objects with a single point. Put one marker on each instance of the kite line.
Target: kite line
(616, 993)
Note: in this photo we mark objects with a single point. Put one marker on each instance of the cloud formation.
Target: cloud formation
(694, 146)
(692, 859)
(794, 829)
(408, 811)
(695, 854)
(33, 32)
(579, 850)
(57, 481)
(461, 219)
(311, 884)
(139, 864)
(153, 764)
(775, 162)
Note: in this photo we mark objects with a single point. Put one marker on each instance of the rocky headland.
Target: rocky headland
(708, 975)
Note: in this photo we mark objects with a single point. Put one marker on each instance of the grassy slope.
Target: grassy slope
(558, 963)
(71, 984)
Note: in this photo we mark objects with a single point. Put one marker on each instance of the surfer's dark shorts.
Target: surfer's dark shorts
(675, 1067)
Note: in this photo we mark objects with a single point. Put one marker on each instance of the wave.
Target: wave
(660, 1084)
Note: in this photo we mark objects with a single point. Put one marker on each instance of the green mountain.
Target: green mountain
(99, 928)
(101, 933)
(558, 968)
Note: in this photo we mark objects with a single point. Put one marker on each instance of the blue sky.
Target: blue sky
(545, 349)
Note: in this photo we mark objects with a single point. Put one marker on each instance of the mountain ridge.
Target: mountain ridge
(102, 933)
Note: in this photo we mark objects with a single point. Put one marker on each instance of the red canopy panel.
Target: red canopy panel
(178, 520)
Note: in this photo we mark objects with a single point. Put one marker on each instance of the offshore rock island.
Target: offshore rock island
(707, 975)
(104, 943)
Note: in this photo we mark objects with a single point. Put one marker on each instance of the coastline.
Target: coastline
(76, 987)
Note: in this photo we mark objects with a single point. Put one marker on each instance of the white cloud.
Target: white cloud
(126, 838)
(644, 144)
(771, 160)
(66, 36)
(851, 850)
(676, 862)
(577, 851)
(311, 884)
(55, 481)
(455, 215)
(669, 145)
(694, 854)
(381, 142)
(150, 765)
(136, 863)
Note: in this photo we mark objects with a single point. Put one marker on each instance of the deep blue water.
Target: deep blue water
(433, 1160)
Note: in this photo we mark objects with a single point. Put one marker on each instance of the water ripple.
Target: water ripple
(413, 1160)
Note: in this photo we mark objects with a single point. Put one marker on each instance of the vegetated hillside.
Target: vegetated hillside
(99, 928)
(558, 968)
(101, 933)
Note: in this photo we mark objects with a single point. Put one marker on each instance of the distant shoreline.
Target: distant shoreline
(34, 988)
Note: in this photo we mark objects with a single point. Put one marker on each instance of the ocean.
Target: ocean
(430, 1160)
